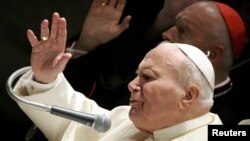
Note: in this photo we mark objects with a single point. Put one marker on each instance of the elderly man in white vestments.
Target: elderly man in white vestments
(171, 96)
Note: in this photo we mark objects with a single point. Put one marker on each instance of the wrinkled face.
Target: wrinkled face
(193, 26)
(155, 93)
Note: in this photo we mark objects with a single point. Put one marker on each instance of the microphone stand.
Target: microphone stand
(35, 105)
(99, 122)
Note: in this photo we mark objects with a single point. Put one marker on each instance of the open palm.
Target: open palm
(102, 23)
(48, 57)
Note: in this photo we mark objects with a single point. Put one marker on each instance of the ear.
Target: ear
(216, 53)
(191, 95)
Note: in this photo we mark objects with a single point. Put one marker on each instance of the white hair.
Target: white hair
(191, 75)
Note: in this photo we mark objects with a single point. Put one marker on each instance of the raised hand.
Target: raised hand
(48, 57)
(102, 23)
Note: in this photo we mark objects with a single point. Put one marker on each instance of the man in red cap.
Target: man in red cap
(219, 31)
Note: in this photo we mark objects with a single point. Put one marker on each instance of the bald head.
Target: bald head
(202, 25)
(166, 16)
(204, 20)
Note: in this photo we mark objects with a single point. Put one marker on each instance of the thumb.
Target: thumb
(62, 61)
(125, 23)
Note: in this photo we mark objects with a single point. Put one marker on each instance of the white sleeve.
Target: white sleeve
(58, 93)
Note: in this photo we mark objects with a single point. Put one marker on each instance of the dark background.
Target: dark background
(16, 16)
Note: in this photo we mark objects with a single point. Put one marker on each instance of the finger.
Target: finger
(105, 3)
(32, 38)
(125, 23)
(62, 32)
(112, 2)
(54, 25)
(120, 5)
(45, 28)
(61, 61)
(97, 3)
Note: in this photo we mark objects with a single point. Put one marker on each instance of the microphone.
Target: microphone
(100, 122)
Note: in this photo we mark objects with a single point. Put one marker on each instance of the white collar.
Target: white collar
(183, 128)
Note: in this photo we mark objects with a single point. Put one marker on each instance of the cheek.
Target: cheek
(159, 105)
(159, 98)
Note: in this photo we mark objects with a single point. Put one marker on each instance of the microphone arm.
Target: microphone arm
(99, 122)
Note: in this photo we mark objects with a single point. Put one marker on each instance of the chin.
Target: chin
(138, 120)
(141, 127)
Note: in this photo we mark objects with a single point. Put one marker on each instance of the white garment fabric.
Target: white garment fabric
(244, 122)
(55, 128)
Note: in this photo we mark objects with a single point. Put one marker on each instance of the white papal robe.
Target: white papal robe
(56, 128)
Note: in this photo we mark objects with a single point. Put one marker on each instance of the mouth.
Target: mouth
(134, 103)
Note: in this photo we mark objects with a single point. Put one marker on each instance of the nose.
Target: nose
(169, 35)
(134, 85)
